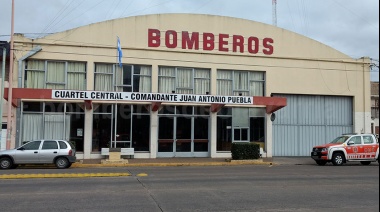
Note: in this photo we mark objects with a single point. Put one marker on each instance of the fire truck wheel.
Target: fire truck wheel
(338, 159)
(321, 162)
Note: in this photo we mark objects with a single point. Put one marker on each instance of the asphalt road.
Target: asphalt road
(193, 188)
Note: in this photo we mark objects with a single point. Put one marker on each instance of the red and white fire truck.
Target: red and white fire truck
(363, 148)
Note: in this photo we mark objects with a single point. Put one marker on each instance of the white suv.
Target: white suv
(58, 152)
(363, 148)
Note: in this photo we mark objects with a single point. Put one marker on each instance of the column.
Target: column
(269, 136)
(154, 116)
(87, 146)
(213, 134)
(153, 133)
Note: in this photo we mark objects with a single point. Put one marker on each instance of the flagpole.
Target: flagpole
(119, 55)
(118, 59)
(114, 136)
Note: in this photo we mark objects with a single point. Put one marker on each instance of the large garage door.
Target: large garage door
(307, 121)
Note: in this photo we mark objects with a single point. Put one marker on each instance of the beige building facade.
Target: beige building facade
(219, 80)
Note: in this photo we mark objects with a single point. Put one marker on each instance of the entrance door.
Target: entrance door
(166, 138)
(181, 136)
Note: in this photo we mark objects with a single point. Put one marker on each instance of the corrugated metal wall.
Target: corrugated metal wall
(307, 121)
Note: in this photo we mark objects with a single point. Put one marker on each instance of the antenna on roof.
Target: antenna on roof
(274, 12)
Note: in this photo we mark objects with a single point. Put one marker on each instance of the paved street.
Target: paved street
(286, 187)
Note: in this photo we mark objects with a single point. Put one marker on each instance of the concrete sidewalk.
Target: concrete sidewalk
(194, 162)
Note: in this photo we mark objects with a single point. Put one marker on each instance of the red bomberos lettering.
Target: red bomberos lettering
(210, 42)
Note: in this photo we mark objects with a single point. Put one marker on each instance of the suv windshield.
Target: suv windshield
(340, 140)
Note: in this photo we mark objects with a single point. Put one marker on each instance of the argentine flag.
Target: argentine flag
(119, 52)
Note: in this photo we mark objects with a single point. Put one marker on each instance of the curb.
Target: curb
(71, 175)
(232, 163)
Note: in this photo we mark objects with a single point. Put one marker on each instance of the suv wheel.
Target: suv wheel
(61, 163)
(338, 159)
(321, 162)
(6, 163)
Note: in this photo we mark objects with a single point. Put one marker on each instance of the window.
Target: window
(62, 145)
(257, 125)
(356, 139)
(244, 83)
(183, 80)
(240, 83)
(224, 129)
(121, 126)
(367, 139)
(52, 120)
(240, 125)
(128, 78)
(240, 134)
(201, 131)
(55, 74)
(34, 145)
(49, 145)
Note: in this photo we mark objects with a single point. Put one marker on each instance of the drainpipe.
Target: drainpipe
(32, 52)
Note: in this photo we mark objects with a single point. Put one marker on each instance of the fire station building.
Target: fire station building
(185, 85)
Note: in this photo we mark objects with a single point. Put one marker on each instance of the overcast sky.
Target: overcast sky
(350, 26)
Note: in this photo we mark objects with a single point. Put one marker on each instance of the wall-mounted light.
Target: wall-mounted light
(273, 117)
(240, 94)
(173, 91)
(207, 93)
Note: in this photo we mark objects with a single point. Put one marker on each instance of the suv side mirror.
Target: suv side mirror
(350, 143)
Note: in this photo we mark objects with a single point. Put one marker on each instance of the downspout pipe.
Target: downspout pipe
(32, 52)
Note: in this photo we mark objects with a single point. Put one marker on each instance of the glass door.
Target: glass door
(183, 137)
(183, 131)
(175, 137)
(165, 136)
(121, 125)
